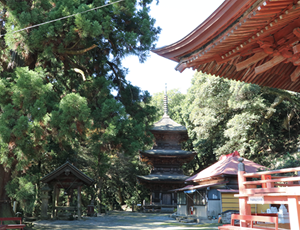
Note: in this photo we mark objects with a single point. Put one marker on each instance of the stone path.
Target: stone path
(122, 221)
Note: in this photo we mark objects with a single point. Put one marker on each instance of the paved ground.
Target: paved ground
(121, 221)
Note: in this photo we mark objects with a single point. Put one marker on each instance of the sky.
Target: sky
(176, 18)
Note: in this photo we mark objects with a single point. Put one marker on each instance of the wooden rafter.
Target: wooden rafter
(268, 65)
(295, 75)
(250, 61)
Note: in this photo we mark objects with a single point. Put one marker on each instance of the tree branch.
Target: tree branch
(82, 51)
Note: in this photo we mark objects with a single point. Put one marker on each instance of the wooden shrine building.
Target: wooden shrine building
(166, 158)
(255, 41)
(211, 191)
(68, 178)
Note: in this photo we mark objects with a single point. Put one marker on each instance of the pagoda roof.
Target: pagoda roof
(67, 168)
(167, 152)
(227, 165)
(167, 124)
(164, 177)
(254, 41)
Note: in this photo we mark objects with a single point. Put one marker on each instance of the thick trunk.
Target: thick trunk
(5, 204)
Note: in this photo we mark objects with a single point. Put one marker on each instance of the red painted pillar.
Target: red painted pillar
(294, 211)
(245, 209)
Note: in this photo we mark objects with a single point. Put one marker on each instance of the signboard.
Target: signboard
(256, 200)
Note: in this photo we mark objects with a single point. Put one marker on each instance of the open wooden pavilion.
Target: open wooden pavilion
(68, 178)
(255, 41)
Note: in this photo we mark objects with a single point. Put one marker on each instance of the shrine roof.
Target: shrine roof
(202, 186)
(167, 124)
(164, 177)
(167, 152)
(66, 169)
(254, 41)
(225, 166)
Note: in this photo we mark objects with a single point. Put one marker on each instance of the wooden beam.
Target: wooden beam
(296, 31)
(295, 75)
(250, 61)
(268, 65)
(296, 49)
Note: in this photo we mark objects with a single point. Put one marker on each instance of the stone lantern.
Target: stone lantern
(45, 199)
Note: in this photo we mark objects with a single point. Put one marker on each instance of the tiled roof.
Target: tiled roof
(167, 152)
(167, 124)
(72, 169)
(164, 177)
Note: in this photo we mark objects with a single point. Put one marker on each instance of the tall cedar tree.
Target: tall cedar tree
(57, 81)
(223, 116)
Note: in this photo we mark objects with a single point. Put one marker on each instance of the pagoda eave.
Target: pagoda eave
(257, 42)
(223, 17)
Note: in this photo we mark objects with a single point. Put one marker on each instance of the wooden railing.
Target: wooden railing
(266, 188)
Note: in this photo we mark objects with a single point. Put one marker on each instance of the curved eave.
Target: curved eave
(167, 153)
(75, 171)
(223, 17)
(261, 47)
(163, 178)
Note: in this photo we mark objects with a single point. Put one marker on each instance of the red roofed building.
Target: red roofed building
(255, 41)
(212, 190)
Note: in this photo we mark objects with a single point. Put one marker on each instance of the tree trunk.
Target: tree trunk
(5, 204)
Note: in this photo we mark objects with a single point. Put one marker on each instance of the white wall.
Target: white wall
(214, 208)
(181, 209)
(201, 211)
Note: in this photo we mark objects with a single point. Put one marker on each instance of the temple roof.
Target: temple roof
(167, 124)
(164, 177)
(167, 152)
(67, 169)
(225, 166)
(255, 41)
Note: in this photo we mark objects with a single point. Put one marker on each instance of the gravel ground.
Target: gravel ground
(121, 220)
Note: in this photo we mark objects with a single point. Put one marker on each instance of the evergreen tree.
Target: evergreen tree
(223, 116)
(57, 81)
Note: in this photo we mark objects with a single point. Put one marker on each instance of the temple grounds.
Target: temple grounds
(123, 220)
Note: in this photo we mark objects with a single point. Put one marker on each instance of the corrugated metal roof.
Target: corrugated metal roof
(191, 187)
(226, 166)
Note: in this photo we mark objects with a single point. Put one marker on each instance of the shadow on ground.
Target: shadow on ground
(122, 220)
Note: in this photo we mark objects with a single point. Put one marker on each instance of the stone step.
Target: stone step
(188, 221)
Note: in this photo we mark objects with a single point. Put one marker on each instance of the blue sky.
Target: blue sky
(177, 18)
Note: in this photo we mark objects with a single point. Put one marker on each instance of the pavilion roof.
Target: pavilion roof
(255, 41)
(67, 169)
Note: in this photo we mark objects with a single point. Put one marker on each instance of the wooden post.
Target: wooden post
(53, 201)
(79, 202)
(269, 184)
(294, 211)
(245, 209)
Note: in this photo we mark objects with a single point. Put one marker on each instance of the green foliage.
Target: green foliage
(175, 103)
(56, 87)
(23, 190)
(223, 116)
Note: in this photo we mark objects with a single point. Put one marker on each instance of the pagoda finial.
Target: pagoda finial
(166, 102)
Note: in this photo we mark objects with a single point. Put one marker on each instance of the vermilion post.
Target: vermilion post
(245, 209)
(294, 210)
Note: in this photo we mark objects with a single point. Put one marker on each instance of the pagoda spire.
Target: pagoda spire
(166, 101)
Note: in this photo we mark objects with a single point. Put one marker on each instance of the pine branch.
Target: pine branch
(82, 51)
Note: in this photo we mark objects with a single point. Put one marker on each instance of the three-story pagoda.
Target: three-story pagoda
(166, 158)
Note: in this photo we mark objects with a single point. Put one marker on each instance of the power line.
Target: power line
(58, 19)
